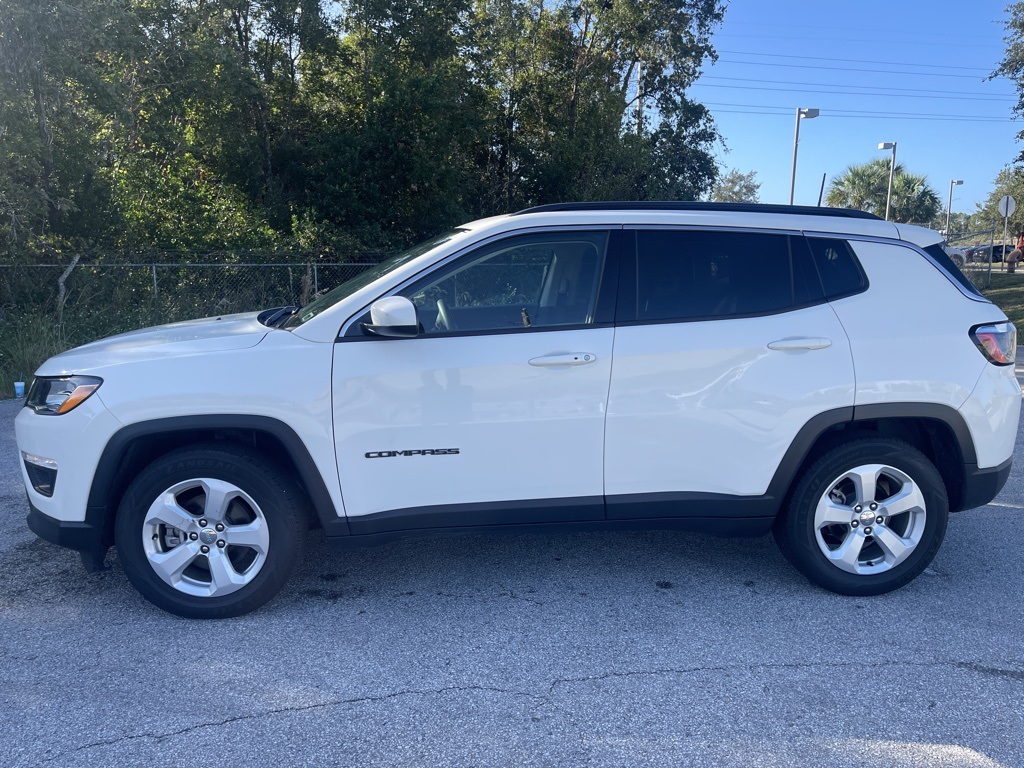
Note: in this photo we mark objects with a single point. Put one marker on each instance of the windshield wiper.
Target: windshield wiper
(274, 318)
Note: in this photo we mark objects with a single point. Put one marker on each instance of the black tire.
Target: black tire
(875, 569)
(265, 514)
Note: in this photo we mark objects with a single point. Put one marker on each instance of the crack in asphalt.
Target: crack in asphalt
(1002, 673)
(158, 737)
(1017, 675)
(1010, 674)
(507, 592)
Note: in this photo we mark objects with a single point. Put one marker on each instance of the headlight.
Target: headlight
(57, 395)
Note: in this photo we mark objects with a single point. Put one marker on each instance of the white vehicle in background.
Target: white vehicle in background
(957, 255)
(815, 372)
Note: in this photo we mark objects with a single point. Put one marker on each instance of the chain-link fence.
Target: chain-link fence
(48, 307)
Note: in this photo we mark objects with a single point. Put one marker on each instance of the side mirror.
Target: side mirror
(393, 317)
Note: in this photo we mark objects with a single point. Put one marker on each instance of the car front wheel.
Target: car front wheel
(210, 531)
(866, 518)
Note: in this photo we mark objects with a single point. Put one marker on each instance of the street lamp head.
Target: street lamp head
(956, 182)
(807, 113)
(887, 145)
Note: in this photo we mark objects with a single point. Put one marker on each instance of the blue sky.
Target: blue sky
(910, 72)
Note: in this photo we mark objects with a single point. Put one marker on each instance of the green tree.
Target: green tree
(231, 124)
(1009, 181)
(53, 100)
(913, 199)
(959, 222)
(126, 123)
(589, 99)
(1012, 64)
(866, 186)
(399, 122)
(736, 187)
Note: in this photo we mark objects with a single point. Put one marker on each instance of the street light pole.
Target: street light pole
(949, 208)
(892, 169)
(807, 114)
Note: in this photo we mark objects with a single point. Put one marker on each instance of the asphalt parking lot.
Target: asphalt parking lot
(636, 649)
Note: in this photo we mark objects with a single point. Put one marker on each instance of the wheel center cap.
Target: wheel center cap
(208, 536)
(866, 517)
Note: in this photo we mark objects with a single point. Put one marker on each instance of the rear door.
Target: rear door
(725, 347)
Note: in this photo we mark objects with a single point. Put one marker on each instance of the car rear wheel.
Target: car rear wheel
(210, 531)
(866, 518)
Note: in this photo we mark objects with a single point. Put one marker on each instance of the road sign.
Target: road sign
(1007, 205)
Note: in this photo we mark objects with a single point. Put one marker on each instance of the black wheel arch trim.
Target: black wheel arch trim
(815, 429)
(950, 416)
(116, 449)
(800, 448)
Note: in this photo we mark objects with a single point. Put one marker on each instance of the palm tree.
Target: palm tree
(866, 186)
(860, 186)
(913, 201)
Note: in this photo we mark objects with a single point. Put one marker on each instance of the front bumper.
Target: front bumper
(84, 537)
(74, 442)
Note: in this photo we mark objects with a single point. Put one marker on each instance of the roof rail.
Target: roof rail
(801, 210)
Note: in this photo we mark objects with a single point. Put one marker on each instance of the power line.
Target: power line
(853, 61)
(869, 116)
(848, 93)
(833, 27)
(835, 112)
(849, 69)
(851, 85)
(873, 41)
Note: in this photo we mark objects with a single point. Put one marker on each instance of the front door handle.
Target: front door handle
(572, 358)
(801, 342)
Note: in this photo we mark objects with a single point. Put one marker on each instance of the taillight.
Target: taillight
(997, 342)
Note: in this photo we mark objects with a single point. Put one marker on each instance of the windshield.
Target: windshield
(364, 278)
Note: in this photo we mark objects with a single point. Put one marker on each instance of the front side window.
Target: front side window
(364, 278)
(689, 275)
(526, 281)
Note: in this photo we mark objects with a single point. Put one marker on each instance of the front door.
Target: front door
(494, 414)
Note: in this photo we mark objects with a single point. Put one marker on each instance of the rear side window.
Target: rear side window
(839, 269)
(688, 275)
(944, 260)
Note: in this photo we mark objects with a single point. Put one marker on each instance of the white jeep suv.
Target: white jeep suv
(736, 369)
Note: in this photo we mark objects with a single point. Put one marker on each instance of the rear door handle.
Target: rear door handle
(572, 358)
(801, 342)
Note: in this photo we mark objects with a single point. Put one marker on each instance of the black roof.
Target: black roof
(801, 210)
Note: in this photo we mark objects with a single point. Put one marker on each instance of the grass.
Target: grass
(1007, 293)
(24, 344)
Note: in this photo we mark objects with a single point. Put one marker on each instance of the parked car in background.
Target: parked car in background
(987, 253)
